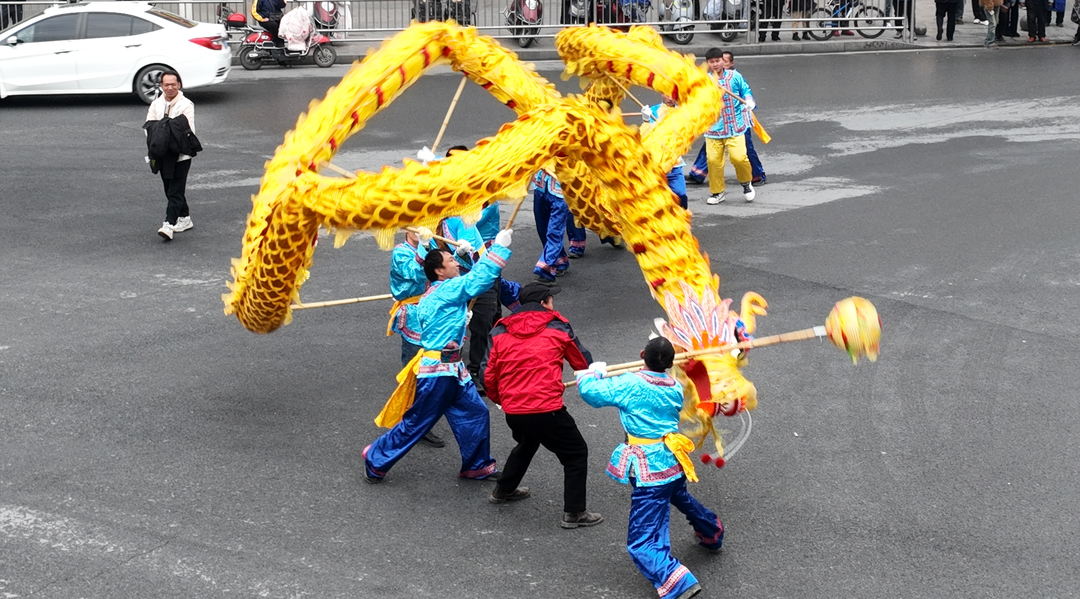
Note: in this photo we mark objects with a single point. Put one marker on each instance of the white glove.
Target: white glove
(751, 103)
(468, 317)
(503, 237)
(599, 368)
(424, 234)
(646, 114)
(464, 248)
(425, 155)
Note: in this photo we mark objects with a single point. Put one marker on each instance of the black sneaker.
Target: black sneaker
(1076, 42)
(575, 520)
(432, 440)
(690, 592)
(499, 496)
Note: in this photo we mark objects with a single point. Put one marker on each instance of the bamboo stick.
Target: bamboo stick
(449, 112)
(684, 357)
(355, 300)
(625, 91)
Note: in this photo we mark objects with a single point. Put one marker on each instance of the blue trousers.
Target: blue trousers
(677, 182)
(435, 397)
(649, 539)
(551, 214)
(700, 170)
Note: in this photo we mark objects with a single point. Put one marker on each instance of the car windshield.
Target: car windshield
(168, 16)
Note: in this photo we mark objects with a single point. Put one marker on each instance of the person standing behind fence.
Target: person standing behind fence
(268, 13)
(801, 9)
(773, 9)
(173, 168)
(727, 135)
(945, 15)
(10, 14)
(990, 11)
(901, 10)
(1008, 20)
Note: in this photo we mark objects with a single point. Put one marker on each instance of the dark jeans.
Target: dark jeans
(772, 9)
(1008, 21)
(484, 313)
(947, 11)
(756, 169)
(559, 434)
(902, 9)
(1037, 20)
(174, 192)
(408, 351)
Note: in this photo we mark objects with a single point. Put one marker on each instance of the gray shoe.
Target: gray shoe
(715, 199)
(574, 520)
(498, 496)
(690, 592)
(166, 231)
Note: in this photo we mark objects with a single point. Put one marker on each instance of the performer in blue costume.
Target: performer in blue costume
(407, 284)
(655, 462)
(650, 115)
(553, 220)
(442, 383)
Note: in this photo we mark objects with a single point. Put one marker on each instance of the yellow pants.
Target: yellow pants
(736, 150)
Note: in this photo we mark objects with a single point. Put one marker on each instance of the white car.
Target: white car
(109, 47)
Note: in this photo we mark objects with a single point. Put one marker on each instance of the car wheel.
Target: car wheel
(325, 56)
(147, 84)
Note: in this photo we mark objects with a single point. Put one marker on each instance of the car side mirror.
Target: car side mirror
(12, 41)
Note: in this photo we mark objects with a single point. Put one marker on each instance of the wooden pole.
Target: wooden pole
(513, 215)
(625, 91)
(683, 357)
(355, 300)
(450, 111)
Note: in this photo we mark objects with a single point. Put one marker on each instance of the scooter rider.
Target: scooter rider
(268, 13)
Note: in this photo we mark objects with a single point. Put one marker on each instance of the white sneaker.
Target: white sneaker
(166, 231)
(748, 192)
(182, 224)
(715, 199)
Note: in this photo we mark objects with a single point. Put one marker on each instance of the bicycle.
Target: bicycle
(825, 21)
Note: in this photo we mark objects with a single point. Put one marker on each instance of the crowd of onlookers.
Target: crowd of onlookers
(1003, 19)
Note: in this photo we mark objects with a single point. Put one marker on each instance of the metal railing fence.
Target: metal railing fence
(715, 21)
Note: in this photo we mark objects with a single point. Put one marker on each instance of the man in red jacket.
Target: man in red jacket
(524, 377)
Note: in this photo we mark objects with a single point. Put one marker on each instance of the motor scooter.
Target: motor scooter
(235, 22)
(731, 10)
(622, 13)
(577, 12)
(524, 18)
(679, 16)
(326, 15)
(259, 48)
(443, 10)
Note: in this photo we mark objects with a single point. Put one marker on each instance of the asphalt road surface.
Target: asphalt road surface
(152, 447)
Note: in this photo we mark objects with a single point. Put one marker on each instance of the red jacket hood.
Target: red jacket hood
(529, 321)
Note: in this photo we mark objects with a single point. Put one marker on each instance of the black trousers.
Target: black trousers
(977, 11)
(174, 192)
(902, 8)
(946, 10)
(1008, 21)
(559, 434)
(1037, 15)
(484, 313)
(772, 9)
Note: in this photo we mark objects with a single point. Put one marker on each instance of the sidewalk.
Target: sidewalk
(967, 35)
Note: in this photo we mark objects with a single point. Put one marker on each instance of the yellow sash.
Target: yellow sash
(402, 398)
(761, 133)
(397, 305)
(680, 445)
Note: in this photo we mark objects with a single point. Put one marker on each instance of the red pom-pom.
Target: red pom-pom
(658, 282)
(706, 458)
(639, 248)
(720, 462)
